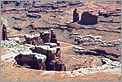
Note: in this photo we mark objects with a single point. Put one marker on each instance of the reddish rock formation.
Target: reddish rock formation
(88, 19)
(75, 16)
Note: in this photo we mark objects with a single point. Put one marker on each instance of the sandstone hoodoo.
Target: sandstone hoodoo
(4, 32)
(75, 16)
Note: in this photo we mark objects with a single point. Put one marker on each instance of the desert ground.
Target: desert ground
(59, 16)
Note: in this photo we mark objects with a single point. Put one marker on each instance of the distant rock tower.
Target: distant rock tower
(75, 16)
(88, 19)
(4, 32)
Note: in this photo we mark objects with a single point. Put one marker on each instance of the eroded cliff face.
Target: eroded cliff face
(23, 18)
